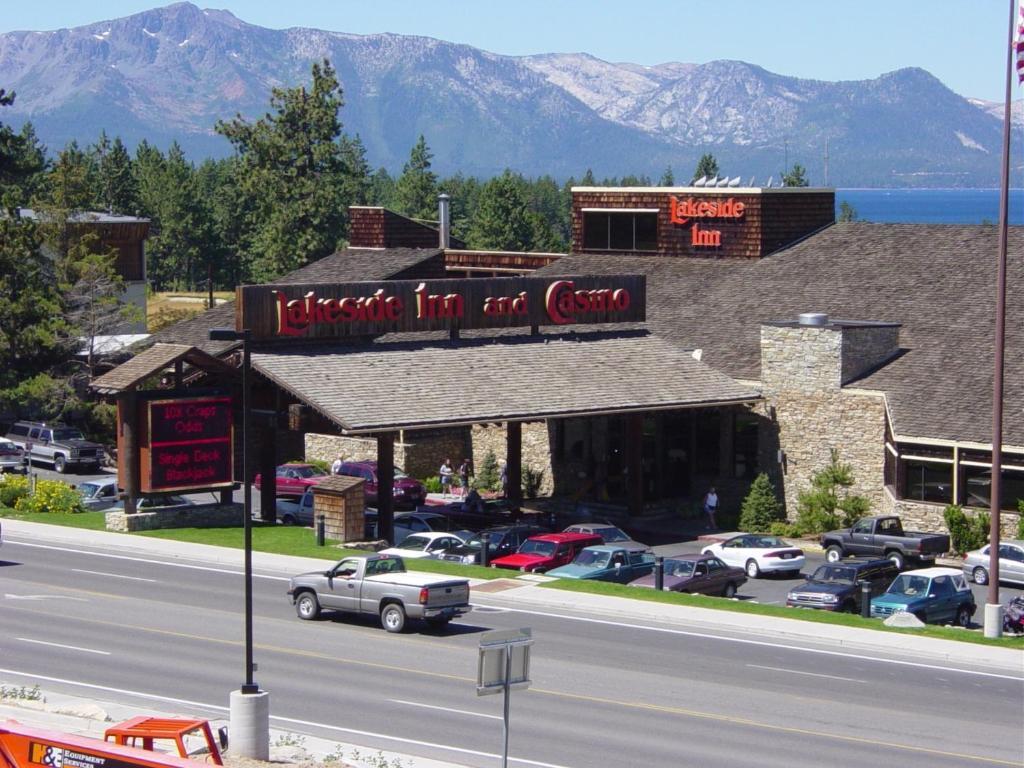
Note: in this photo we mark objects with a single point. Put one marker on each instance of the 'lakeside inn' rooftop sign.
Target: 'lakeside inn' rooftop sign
(330, 310)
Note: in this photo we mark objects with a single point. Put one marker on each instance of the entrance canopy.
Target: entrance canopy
(390, 386)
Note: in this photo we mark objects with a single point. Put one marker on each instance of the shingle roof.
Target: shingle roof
(938, 281)
(151, 362)
(348, 265)
(406, 385)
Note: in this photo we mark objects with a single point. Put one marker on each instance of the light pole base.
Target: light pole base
(993, 620)
(249, 725)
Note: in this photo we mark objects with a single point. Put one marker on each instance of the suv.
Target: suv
(56, 444)
(836, 586)
(936, 595)
(408, 492)
(12, 458)
(546, 551)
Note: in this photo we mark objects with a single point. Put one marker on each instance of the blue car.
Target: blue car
(607, 562)
(934, 595)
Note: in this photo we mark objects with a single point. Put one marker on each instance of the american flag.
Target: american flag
(1019, 44)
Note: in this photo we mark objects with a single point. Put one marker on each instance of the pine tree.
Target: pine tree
(668, 179)
(502, 222)
(416, 188)
(706, 166)
(761, 506)
(118, 192)
(489, 476)
(796, 177)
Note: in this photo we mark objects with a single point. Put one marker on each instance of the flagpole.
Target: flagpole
(993, 609)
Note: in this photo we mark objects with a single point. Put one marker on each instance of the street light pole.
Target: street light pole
(249, 687)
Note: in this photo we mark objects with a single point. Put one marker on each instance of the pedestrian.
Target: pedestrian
(465, 470)
(710, 507)
(447, 474)
(336, 466)
(504, 480)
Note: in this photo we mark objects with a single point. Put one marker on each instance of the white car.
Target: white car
(417, 545)
(758, 553)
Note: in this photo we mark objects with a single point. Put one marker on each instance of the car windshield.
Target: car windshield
(88, 490)
(67, 434)
(681, 568)
(589, 558)
(417, 543)
(308, 472)
(613, 534)
(766, 542)
(835, 573)
(531, 547)
(906, 584)
(399, 474)
(6, 446)
(477, 543)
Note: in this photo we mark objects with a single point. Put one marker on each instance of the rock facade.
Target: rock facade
(923, 516)
(420, 453)
(197, 516)
(536, 449)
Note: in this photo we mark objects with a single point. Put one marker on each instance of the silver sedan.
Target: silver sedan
(1011, 562)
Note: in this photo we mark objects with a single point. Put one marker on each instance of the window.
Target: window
(864, 526)
(978, 484)
(626, 231)
(929, 482)
(745, 446)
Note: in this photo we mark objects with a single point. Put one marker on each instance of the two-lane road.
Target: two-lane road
(603, 693)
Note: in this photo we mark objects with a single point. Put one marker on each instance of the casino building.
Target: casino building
(692, 337)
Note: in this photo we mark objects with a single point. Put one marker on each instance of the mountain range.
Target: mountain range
(169, 74)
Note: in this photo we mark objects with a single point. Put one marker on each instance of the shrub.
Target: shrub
(1020, 518)
(432, 484)
(761, 507)
(489, 476)
(11, 489)
(531, 481)
(818, 507)
(51, 496)
(965, 533)
(786, 530)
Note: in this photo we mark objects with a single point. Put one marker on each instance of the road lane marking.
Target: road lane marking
(290, 720)
(446, 709)
(695, 714)
(766, 644)
(113, 575)
(9, 596)
(809, 674)
(60, 645)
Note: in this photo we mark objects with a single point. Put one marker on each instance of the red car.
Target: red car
(408, 491)
(547, 550)
(294, 479)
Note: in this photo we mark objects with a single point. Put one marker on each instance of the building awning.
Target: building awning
(391, 386)
(152, 362)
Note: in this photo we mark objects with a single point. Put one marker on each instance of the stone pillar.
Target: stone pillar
(514, 467)
(634, 463)
(386, 487)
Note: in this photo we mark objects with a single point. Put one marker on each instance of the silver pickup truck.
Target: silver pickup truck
(380, 585)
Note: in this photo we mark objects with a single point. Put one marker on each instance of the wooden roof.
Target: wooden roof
(152, 362)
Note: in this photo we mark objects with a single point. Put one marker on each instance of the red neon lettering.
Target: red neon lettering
(295, 316)
(563, 302)
(681, 211)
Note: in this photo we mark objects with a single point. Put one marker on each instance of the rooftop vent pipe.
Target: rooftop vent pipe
(444, 218)
(813, 318)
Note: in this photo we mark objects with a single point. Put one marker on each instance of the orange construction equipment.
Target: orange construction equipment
(146, 729)
(22, 746)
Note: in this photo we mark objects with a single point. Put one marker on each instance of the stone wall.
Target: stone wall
(420, 456)
(197, 516)
(536, 447)
(923, 516)
(866, 347)
(801, 374)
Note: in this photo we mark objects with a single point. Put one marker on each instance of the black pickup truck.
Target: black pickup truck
(883, 536)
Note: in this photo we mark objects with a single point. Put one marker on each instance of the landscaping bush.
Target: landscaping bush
(818, 507)
(785, 530)
(761, 508)
(965, 533)
(489, 476)
(51, 496)
(432, 484)
(12, 488)
(532, 478)
(1020, 518)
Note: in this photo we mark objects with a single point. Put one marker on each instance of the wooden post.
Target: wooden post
(514, 465)
(130, 448)
(386, 487)
(634, 463)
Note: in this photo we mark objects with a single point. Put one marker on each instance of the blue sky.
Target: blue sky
(962, 42)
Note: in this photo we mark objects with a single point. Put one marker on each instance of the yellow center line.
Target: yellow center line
(678, 711)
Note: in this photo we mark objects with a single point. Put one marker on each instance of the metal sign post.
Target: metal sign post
(504, 664)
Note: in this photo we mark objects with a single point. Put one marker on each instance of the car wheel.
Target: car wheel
(60, 464)
(834, 554)
(963, 616)
(753, 569)
(848, 607)
(730, 590)
(307, 606)
(922, 617)
(980, 575)
(392, 617)
(287, 520)
(897, 559)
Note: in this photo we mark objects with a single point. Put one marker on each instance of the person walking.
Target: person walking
(446, 473)
(710, 507)
(504, 480)
(465, 470)
(336, 466)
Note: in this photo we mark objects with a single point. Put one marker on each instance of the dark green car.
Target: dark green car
(607, 562)
(934, 595)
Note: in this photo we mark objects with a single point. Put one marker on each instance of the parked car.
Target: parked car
(419, 545)
(379, 584)
(56, 444)
(836, 586)
(607, 562)
(1011, 562)
(292, 511)
(610, 534)
(294, 479)
(406, 523)
(934, 595)
(699, 574)
(883, 536)
(99, 494)
(12, 458)
(408, 492)
(758, 553)
(546, 551)
(162, 501)
(502, 540)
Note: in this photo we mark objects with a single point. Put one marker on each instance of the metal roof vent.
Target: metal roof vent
(813, 318)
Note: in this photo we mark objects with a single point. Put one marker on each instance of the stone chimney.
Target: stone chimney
(444, 218)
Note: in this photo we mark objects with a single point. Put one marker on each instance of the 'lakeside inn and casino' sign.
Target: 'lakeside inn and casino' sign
(187, 444)
(358, 309)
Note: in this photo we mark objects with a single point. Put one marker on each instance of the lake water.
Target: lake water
(931, 206)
